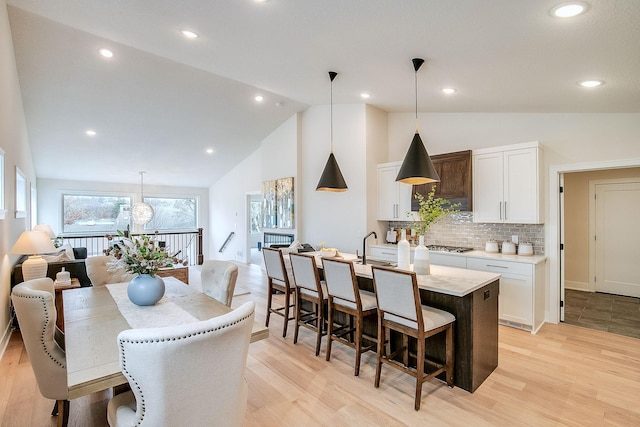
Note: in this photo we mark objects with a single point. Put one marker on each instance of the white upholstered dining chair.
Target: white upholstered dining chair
(99, 274)
(34, 304)
(218, 280)
(185, 375)
(279, 279)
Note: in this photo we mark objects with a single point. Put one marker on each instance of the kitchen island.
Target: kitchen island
(472, 297)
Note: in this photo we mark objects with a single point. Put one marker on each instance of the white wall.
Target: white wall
(14, 142)
(337, 219)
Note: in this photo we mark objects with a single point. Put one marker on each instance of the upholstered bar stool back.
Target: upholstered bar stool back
(311, 289)
(400, 309)
(278, 280)
(35, 307)
(347, 298)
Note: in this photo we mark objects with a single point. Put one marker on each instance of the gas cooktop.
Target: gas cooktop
(443, 248)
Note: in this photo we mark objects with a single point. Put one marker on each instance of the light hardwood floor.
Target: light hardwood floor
(564, 375)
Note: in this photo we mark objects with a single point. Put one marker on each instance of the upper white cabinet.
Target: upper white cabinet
(507, 184)
(394, 198)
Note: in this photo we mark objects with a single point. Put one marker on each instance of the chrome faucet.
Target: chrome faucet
(364, 246)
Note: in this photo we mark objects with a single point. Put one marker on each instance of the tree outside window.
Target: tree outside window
(173, 213)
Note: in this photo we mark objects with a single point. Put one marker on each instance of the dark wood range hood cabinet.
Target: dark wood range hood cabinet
(454, 170)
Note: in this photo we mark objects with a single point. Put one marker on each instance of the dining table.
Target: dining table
(94, 316)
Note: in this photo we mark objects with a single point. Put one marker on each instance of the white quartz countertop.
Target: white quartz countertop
(535, 259)
(447, 280)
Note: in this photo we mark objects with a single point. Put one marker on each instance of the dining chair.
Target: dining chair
(99, 274)
(355, 304)
(218, 280)
(34, 304)
(185, 375)
(313, 291)
(400, 309)
(278, 280)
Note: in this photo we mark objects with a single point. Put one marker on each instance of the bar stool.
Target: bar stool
(399, 309)
(346, 297)
(278, 280)
(309, 288)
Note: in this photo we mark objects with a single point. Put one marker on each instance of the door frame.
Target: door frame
(554, 226)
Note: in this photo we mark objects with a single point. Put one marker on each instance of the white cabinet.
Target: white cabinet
(383, 253)
(394, 198)
(521, 300)
(507, 184)
(449, 260)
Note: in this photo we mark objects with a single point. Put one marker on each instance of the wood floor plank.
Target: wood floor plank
(563, 376)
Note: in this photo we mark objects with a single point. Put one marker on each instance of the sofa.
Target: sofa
(76, 268)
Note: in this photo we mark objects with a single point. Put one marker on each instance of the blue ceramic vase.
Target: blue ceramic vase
(145, 289)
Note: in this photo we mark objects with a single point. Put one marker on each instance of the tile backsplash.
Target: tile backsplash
(460, 230)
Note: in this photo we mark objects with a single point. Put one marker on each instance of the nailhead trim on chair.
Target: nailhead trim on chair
(42, 336)
(124, 361)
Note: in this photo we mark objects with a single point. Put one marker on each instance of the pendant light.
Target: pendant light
(142, 212)
(417, 168)
(332, 179)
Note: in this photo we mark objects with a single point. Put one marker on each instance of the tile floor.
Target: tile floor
(606, 312)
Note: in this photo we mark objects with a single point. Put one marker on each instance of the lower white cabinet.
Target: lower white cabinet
(521, 300)
(384, 253)
(448, 260)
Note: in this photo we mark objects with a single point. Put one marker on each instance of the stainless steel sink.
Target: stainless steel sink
(377, 262)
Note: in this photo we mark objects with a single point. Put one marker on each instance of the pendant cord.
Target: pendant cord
(142, 187)
(331, 115)
(416, 88)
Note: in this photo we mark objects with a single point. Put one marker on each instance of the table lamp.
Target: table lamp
(33, 243)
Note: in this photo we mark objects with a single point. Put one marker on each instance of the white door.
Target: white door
(617, 238)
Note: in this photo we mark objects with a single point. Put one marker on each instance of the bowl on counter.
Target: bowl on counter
(328, 252)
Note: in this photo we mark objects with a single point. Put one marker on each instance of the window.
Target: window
(173, 213)
(94, 214)
(256, 216)
(21, 194)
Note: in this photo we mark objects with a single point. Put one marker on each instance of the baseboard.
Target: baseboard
(6, 336)
(578, 286)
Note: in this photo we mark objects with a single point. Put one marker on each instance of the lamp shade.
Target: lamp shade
(45, 228)
(417, 167)
(332, 179)
(32, 243)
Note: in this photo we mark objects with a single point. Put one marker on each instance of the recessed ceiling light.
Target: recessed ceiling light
(259, 98)
(365, 95)
(209, 150)
(591, 83)
(449, 90)
(91, 132)
(189, 34)
(106, 53)
(569, 10)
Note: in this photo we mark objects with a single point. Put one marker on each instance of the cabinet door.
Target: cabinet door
(387, 193)
(447, 260)
(488, 187)
(521, 186)
(515, 302)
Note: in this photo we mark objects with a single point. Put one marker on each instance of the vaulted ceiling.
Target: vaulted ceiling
(162, 100)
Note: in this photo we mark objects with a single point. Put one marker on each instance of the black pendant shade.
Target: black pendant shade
(417, 167)
(332, 179)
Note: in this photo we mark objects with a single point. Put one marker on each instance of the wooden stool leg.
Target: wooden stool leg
(319, 325)
(287, 301)
(450, 356)
(358, 344)
(63, 413)
(269, 298)
(419, 371)
(380, 355)
(296, 327)
(329, 330)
